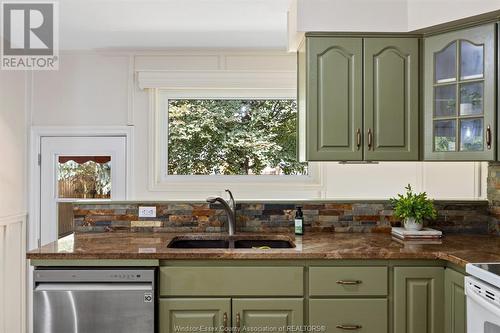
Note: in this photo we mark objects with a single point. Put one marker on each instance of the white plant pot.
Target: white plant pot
(411, 224)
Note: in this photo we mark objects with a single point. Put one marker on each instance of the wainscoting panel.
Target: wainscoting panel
(12, 273)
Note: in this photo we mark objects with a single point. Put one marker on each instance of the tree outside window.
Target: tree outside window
(233, 137)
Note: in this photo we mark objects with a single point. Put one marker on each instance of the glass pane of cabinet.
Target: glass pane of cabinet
(458, 127)
(445, 135)
(445, 100)
(471, 61)
(445, 65)
(471, 134)
(471, 99)
(460, 95)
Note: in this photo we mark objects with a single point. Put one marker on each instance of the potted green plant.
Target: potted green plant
(413, 208)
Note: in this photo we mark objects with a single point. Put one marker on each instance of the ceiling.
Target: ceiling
(91, 24)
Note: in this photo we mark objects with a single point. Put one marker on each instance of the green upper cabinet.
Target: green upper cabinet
(460, 98)
(334, 122)
(330, 99)
(455, 303)
(391, 113)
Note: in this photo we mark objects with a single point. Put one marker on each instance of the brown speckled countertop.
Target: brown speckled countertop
(457, 249)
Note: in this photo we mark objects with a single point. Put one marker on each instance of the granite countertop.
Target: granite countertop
(457, 249)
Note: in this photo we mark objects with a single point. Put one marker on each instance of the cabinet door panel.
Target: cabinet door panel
(418, 299)
(178, 314)
(341, 315)
(391, 98)
(460, 97)
(334, 94)
(273, 313)
(455, 314)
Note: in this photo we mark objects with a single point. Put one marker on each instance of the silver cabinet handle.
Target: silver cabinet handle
(488, 137)
(349, 327)
(370, 139)
(349, 282)
(358, 138)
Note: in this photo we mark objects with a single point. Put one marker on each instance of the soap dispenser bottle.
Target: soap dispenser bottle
(299, 221)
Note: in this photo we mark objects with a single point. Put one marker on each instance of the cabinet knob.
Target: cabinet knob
(349, 282)
(488, 137)
(349, 327)
(358, 138)
(370, 139)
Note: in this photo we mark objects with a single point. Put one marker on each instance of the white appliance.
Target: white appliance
(483, 298)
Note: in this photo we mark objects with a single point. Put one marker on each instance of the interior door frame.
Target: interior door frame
(34, 179)
(36, 135)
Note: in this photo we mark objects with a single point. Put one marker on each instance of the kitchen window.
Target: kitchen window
(231, 137)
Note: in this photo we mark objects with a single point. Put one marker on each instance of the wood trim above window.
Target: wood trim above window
(219, 79)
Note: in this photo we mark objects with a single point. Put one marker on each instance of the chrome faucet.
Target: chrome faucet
(229, 207)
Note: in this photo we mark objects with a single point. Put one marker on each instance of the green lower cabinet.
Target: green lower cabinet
(357, 315)
(267, 314)
(418, 299)
(454, 310)
(185, 315)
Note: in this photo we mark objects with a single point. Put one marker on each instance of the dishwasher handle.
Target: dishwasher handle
(94, 287)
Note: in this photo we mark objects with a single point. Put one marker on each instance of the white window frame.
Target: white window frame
(160, 180)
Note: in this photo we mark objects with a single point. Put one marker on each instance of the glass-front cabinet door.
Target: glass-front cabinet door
(460, 95)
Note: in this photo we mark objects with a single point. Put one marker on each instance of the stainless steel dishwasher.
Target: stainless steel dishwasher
(94, 300)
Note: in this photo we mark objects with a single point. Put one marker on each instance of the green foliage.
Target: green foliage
(88, 180)
(232, 137)
(443, 143)
(413, 205)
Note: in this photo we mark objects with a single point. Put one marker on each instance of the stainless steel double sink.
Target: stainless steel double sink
(261, 242)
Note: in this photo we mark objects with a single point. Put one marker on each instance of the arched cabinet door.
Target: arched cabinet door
(460, 97)
(333, 95)
(391, 111)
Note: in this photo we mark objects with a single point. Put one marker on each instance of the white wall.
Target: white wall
(377, 15)
(88, 89)
(425, 13)
(352, 15)
(12, 143)
(340, 15)
(103, 81)
(13, 137)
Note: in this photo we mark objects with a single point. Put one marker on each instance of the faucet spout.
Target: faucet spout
(229, 208)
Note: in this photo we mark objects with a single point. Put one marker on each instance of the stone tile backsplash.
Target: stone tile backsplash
(493, 188)
(369, 216)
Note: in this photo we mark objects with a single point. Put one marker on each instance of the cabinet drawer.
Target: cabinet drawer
(349, 315)
(231, 281)
(345, 281)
